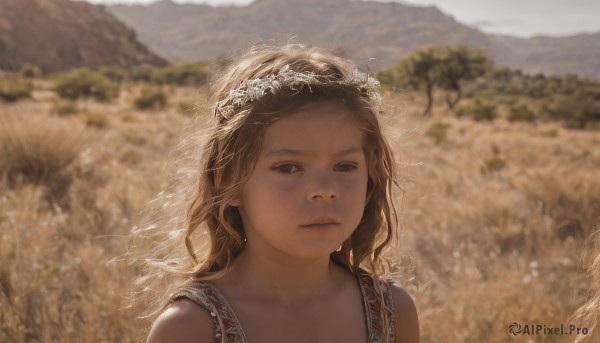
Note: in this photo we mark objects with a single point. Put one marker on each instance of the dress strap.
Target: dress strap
(229, 330)
(205, 294)
(373, 304)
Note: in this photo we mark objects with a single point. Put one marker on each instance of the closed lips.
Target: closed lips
(322, 221)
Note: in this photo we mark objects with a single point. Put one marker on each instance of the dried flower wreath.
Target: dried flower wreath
(254, 89)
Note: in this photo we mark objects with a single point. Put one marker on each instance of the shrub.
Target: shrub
(552, 133)
(503, 75)
(151, 97)
(96, 119)
(192, 74)
(114, 74)
(36, 151)
(65, 108)
(479, 110)
(521, 112)
(438, 132)
(13, 90)
(30, 71)
(141, 74)
(495, 162)
(389, 79)
(85, 83)
(537, 86)
(577, 111)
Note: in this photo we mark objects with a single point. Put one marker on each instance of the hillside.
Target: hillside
(364, 29)
(62, 34)
(558, 55)
(384, 31)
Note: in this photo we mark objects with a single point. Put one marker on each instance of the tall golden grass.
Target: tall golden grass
(497, 218)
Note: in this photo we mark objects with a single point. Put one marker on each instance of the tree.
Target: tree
(457, 65)
(443, 67)
(420, 70)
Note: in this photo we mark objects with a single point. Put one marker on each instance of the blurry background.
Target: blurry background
(493, 108)
(519, 18)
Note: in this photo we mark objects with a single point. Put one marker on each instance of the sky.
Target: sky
(523, 18)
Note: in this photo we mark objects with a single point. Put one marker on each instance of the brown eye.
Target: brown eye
(287, 168)
(345, 167)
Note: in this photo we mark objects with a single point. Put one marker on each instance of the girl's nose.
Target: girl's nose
(324, 187)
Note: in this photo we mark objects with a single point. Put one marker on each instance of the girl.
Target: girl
(294, 199)
(588, 314)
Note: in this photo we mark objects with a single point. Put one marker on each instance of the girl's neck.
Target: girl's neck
(285, 279)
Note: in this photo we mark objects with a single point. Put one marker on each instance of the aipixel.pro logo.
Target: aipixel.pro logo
(516, 329)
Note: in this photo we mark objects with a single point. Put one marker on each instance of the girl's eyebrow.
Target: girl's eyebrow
(299, 152)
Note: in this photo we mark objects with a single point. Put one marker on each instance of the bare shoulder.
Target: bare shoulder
(405, 316)
(183, 321)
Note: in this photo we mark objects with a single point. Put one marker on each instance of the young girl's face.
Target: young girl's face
(307, 192)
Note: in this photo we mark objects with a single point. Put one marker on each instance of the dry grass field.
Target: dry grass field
(498, 218)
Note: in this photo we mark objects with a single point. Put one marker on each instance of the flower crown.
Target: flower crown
(254, 89)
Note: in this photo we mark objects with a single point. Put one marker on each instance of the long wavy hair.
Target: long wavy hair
(190, 231)
(588, 314)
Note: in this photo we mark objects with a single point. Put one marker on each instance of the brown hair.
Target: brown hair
(231, 150)
(588, 314)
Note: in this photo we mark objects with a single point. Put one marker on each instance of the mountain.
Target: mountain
(384, 31)
(364, 29)
(61, 34)
(578, 54)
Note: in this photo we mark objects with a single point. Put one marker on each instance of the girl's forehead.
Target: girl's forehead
(317, 114)
(320, 112)
(324, 126)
